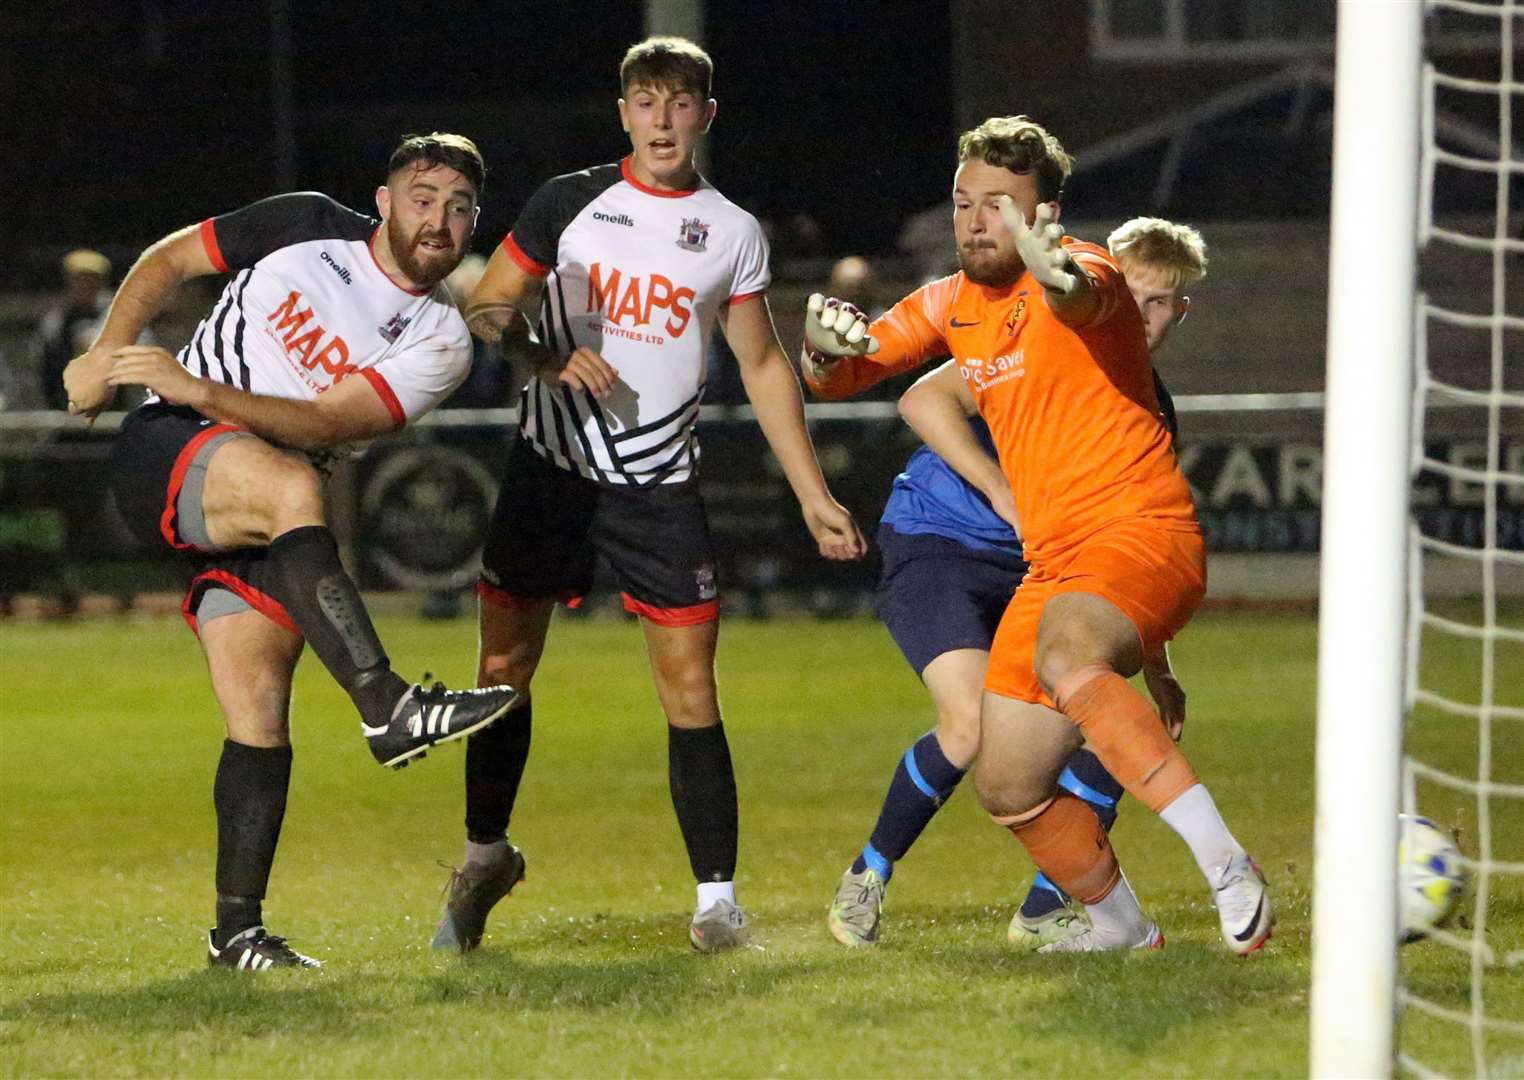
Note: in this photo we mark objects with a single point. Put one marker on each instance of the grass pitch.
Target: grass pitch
(110, 739)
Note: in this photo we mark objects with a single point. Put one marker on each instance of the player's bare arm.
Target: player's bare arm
(1166, 691)
(149, 285)
(937, 407)
(1069, 290)
(351, 411)
(499, 314)
(773, 389)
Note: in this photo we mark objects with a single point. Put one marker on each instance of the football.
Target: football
(1431, 875)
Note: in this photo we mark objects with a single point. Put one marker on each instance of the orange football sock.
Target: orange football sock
(1126, 733)
(1066, 841)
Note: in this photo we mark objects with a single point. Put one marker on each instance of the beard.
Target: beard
(985, 266)
(423, 267)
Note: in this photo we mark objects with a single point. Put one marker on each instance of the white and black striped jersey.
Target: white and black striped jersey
(639, 275)
(308, 305)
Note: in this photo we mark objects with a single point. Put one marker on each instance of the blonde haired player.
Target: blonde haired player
(1056, 361)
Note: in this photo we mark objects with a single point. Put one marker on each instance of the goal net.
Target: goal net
(1421, 619)
(1461, 992)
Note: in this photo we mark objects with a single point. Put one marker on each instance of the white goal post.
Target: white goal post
(1363, 581)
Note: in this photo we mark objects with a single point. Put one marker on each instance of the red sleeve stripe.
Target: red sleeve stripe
(741, 298)
(384, 392)
(209, 241)
(708, 611)
(526, 264)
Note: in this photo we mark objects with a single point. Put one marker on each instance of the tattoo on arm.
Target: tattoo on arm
(501, 323)
(490, 319)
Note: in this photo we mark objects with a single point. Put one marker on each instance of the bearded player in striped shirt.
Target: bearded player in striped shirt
(335, 327)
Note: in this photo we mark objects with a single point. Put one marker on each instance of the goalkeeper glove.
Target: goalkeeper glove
(833, 329)
(1039, 246)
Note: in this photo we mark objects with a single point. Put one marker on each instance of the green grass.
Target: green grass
(110, 738)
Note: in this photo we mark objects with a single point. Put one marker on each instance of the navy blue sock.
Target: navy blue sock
(1043, 897)
(1086, 777)
(923, 780)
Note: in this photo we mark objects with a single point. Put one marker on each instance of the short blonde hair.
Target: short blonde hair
(1023, 146)
(1178, 250)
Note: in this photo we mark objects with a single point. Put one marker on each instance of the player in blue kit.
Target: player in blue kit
(624, 270)
(951, 562)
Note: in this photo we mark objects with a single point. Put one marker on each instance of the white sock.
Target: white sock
(486, 853)
(711, 891)
(1194, 816)
(1117, 918)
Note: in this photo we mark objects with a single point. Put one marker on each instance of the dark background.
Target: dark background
(137, 118)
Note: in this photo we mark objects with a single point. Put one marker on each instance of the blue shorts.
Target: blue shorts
(936, 595)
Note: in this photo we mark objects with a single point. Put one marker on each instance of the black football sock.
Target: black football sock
(495, 758)
(312, 585)
(235, 914)
(703, 784)
(250, 797)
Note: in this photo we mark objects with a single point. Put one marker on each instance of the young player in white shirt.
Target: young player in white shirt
(624, 270)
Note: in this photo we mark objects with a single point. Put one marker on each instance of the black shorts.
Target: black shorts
(550, 524)
(936, 595)
(158, 462)
(157, 454)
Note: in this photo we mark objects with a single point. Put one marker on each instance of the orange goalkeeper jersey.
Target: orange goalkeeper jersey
(1072, 411)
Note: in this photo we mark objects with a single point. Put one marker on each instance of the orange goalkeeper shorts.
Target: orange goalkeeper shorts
(1155, 575)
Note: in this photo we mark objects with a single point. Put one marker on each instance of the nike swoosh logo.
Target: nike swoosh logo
(955, 322)
(1249, 930)
(371, 732)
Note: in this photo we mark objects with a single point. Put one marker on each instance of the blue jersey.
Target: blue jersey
(929, 497)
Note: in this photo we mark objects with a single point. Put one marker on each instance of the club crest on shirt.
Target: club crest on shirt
(693, 235)
(1016, 313)
(394, 327)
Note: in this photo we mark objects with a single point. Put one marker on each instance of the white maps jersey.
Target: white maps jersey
(308, 305)
(640, 276)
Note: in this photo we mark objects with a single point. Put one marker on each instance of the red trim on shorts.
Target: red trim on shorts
(177, 481)
(504, 599)
(660, 193)
(708, 611)
(213, 251)
(741, 298)
(263, 603)
(370, 246)
(526, 264)
(385, 393)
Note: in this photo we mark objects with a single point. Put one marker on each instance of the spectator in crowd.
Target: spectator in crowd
(853, 280)
(70, 326)
(924, 238)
